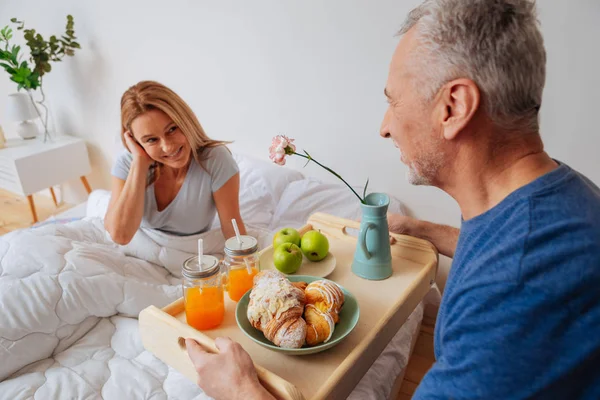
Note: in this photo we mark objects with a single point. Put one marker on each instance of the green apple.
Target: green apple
(286, 235)
(287, 258)
(314, 245)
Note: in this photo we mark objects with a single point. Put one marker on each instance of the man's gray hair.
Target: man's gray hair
(495, 43)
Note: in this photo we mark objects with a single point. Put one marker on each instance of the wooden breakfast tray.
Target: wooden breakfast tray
(384, 307)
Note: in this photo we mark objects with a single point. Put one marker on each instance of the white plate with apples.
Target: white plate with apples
(293, 254)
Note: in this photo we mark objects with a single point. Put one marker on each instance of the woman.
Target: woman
(173, 177)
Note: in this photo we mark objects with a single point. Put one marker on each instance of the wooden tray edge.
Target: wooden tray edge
(162, 334)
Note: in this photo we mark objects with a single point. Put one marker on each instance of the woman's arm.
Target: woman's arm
(126, 207)
(228, 206)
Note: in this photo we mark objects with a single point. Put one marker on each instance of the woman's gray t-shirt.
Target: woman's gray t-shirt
(193, 208)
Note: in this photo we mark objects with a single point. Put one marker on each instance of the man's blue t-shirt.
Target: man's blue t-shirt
(520, 315)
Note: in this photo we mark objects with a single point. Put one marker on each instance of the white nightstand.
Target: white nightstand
(29, 166)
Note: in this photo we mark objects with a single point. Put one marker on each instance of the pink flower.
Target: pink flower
(280, 147)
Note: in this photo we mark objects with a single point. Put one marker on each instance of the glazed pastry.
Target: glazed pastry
(276, 307)
(324, 300)
(300, 285)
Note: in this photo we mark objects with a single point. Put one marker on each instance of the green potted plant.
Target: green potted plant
(42, 53)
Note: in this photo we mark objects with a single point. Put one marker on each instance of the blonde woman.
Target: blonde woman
(172, 177)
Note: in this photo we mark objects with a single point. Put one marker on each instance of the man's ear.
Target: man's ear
(460, 100)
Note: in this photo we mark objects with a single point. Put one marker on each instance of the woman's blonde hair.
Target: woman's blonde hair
(149, 95)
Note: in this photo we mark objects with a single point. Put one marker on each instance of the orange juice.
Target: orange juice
(204, 307)
(240, 281)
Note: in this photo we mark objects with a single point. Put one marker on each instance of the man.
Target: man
(520, 315)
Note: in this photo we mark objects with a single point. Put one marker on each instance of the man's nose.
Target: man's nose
(384, 130)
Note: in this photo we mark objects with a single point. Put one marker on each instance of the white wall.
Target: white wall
(311, 69)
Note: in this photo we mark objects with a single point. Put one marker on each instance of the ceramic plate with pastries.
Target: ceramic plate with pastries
(296, 314)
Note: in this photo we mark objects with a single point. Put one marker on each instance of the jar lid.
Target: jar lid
(248, 245)
(210, 266)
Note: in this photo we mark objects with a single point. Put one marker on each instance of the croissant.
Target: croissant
(300, 285)
(324, 300)
(276, 307)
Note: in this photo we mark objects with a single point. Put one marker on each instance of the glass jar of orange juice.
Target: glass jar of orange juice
(203, 292)
(241, 265)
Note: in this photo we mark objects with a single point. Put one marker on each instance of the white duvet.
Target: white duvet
(69, 300)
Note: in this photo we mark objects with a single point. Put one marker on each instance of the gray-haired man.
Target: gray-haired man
(520, 315)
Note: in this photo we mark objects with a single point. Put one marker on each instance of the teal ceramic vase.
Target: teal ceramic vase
(373, 257)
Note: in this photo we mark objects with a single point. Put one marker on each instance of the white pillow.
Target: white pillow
(261, 185)
(97, 203)
(303, 198)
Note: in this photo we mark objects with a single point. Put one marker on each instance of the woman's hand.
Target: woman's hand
(126, 207)
(136, 149)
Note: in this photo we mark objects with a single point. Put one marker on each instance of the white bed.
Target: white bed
(70, 297)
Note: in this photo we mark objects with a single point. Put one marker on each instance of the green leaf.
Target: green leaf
(20, 23)
(15, 51)
(365, 190)
(75, 45)
(47, 67)
(13, 58)
(8, 68)
(24, 72)
(308, 159)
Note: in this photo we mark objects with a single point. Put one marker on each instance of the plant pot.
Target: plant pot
(27, 130)
(22, 110)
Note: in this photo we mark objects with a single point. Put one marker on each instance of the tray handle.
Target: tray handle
(338, 227)
(163, 335)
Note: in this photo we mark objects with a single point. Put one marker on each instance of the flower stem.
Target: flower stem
(333, 172)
